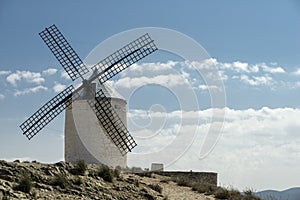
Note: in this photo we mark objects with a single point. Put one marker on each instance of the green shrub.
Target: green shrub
(221, 193)
(136, 170)
(61, 181)
(136, 182)
(145, 174)
(80, 168)
(5, 196)
(105, 173)
(165, 180)
(234, 194)
(201, 188)
(249, 195)
(116, 173)
(24, 184)
(156, 188)
(78, 181)
(119, 168)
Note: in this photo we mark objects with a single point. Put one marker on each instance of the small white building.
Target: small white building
(157, 167)
(85, 139)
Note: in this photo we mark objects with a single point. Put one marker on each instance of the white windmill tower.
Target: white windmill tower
(82, 136)
(95, 122)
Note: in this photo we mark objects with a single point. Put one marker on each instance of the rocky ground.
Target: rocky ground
(59, 181)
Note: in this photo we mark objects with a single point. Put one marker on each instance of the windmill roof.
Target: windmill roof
(109, 91)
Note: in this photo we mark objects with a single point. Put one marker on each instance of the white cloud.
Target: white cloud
(252, 141)
(58, 87)
(30, 90)
(13, 78)
(257, 80)
(205, 64)
(208, 87)
(209, 69)
(153, 66)
(243, 67)
(222, 75)
(4, 72)
(151, 69)
(166, 80)
(65, 75)
(49, 71)
(254, 68)
(30, 77)
(297, 72)
(295, 85)
(240, 66)
(273, 70)
(2, 96)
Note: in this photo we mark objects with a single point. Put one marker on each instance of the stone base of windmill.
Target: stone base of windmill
(86, 140)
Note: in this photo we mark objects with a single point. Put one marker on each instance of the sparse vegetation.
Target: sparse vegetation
(5, 197)
(105, 173)
(145, 174)
(137, 170)
(116, 173)
(249, 195)
(78, 181)
(80, 168)
(165, 180)
(137, 182)
(42, 180)
(204, 188)
(218, 192)
(221, 193)
(119, 168)
(156, 188)
(61, 181)
(25, 183)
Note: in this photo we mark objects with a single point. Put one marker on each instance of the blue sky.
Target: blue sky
(254, 45)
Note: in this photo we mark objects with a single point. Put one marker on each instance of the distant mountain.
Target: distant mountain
(289, 194)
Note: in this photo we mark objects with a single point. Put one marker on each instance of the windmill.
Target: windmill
(104, 112)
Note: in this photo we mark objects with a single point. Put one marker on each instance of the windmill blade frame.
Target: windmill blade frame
(109, 67)
(63, 52)
(125, 57)
(48, 112)
(111, 122)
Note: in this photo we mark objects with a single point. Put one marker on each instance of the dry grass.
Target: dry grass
(217, 192)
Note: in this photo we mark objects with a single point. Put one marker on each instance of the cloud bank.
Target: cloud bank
(252, 141)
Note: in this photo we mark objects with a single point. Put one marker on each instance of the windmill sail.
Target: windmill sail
(109, 67)
(48, 112)
(111, 123)
(124, 57)
(63, 52)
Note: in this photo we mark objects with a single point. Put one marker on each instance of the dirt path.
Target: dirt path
(171, 190)
(174, 192)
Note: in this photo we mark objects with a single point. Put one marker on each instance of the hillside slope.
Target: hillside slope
(60, 181)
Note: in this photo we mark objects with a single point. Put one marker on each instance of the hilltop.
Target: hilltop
(34, 180)
(66, 181)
